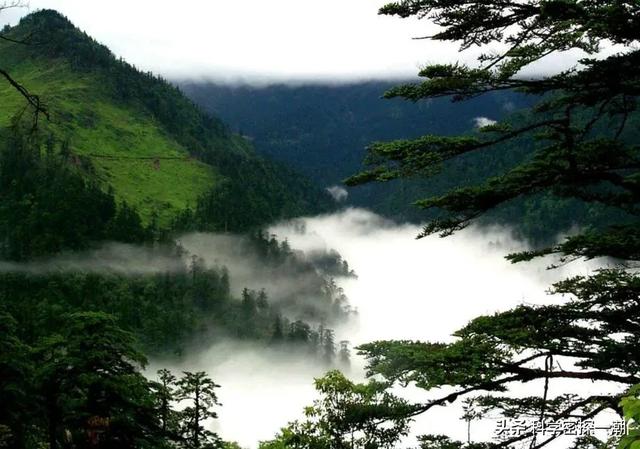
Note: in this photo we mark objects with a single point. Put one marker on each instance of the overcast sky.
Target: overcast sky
(258, 40)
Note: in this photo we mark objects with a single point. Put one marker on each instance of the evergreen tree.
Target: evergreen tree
(199, 390)
(328, 346)
(344, 354)
(262, 302)
(299, 332)
(15, 390)
(93, 390)
(248, 304)
(581, 149)
(277, 335)
(165, 395)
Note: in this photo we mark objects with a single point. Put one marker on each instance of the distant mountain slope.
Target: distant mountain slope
(323, 130)
(140, 135)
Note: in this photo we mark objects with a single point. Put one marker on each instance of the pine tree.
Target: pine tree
(92, 386)
(248, 304)
(299, 332)
(262, 302)
(328, 346)
(344, 354)
(165, 396)
(15, 388)
(199, 390)
(277, 335)
(583, 147)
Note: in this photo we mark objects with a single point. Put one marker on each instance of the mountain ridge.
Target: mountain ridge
(142, 137)
(322, 130)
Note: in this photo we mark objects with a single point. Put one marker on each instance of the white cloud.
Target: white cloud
(258, 41)
(338, 193)
(481, 122)
(466, 275)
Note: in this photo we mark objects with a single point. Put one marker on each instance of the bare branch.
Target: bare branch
(33, 100)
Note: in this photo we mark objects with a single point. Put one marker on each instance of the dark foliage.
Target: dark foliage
(47, 205)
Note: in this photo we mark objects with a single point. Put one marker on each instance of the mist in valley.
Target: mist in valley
(130, 133)
(396, 287)
(405, 289)
(116, 258)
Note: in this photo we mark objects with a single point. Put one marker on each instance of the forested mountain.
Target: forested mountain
(111, 157)
(123, 156)
(132, 225)
(140, 137)
(323, 130)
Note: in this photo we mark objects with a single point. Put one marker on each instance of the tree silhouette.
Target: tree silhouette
(199, 390)
(582, 147)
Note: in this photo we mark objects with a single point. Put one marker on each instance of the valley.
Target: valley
(244, 258)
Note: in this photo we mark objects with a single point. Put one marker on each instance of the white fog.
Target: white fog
(406, 289)
(152, 294)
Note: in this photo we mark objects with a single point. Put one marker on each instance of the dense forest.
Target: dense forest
(323, 131)
(51, 207)
(73, 338)
(112, 154)
(114, 186)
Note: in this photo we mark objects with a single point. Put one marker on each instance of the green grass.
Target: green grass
(127, 147)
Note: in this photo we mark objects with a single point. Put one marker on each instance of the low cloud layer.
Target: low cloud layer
(298, 284)
(406, 289)
(115, 258)
(262, 42)
(283, 282)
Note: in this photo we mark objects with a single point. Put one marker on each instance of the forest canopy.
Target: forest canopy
(73, 347)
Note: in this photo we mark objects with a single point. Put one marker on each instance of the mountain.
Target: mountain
(323, 130)
(139, 137)
(124, 164)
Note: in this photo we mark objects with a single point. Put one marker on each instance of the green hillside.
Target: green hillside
(138, 134)
(121, 141)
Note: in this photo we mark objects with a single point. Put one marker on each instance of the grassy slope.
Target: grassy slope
(96, 126)
(144, 138)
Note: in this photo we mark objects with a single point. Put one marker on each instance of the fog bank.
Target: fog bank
(406, 289)
(118, 258)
